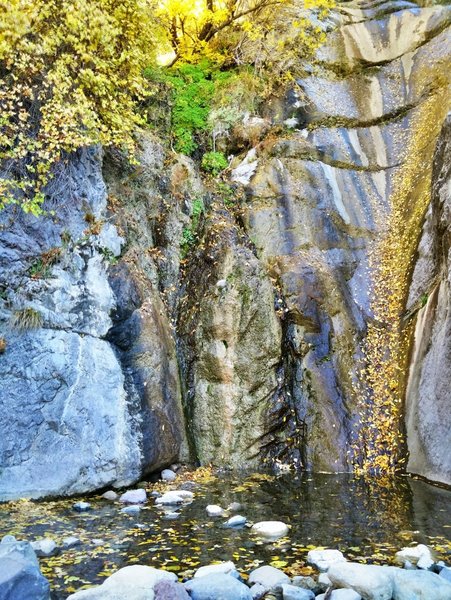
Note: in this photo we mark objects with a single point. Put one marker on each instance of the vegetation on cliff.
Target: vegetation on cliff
(72, 72)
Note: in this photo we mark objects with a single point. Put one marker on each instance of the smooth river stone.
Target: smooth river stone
(270, 529)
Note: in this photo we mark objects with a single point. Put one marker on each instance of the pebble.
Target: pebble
(234, 507)
(81, 506)
(213, 510)
(307, 583)
(270, 529)
(110, 495)
(169, 498)
(98, 542)
(236, 521)
(168, 475)
(137, 496)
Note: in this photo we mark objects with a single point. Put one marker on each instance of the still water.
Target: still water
(368, 522)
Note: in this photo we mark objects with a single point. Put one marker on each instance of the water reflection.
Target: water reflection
(368, 522)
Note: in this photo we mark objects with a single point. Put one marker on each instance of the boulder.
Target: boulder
(419, 555)
(133, 583)
(370, 581)
(419, 585)
(323, 559)
(217, 586)
(20, 577)
(268, 576)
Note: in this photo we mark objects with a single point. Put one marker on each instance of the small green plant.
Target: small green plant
(42, 267)
(214, 162)
(66, 238)
(26, 318)
(188, 239)
(424, 300)
(108, 255)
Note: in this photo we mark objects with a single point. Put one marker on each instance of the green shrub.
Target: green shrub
(26, 318)
(214, 162)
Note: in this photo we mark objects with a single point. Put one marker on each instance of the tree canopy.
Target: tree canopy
(71, 71)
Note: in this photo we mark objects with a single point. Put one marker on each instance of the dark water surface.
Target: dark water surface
(367, 522)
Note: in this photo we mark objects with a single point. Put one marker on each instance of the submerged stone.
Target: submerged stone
(45, 547)
(138, 496)
(270, 529)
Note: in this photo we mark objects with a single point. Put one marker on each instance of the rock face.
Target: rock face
(75, 411)
(151, 320)
(428, 415)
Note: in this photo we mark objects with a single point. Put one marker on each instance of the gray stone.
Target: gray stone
(217, 587)
(170, 590)
(270, 529)
(82, 506)
(234, 507)
(268, 576)
(258, 591)
(370, 581)
(138, 496)
(323, 559)
(20, 577)
(213, 510)
(445, 572)
(134, 583)
(110, 495)
(340, 595)
(419, 585)
(307, 583)
(226, 568)
(236, 521)
(168, 475)
(292, 592)
(45, 547)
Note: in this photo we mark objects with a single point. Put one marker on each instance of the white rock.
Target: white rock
(268, 576)
(227, 568)
(419, 585)
(221, 284)
(174, 497)
(370, 581)
(323, 559)
(341, 595)
(323, 579)
(414, 555)
(258, 591)
(132, 583)
(134, 497)
(44, 547)
(292, 592)
(270, 529)
(213, 510)
(236, 521)
(168, 475)
(110, 495)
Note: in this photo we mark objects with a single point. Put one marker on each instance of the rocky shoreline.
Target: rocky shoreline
(419, 576)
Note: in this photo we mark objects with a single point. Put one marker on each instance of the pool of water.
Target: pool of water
(367, 521)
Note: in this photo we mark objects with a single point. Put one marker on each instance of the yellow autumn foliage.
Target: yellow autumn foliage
(71, 76)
